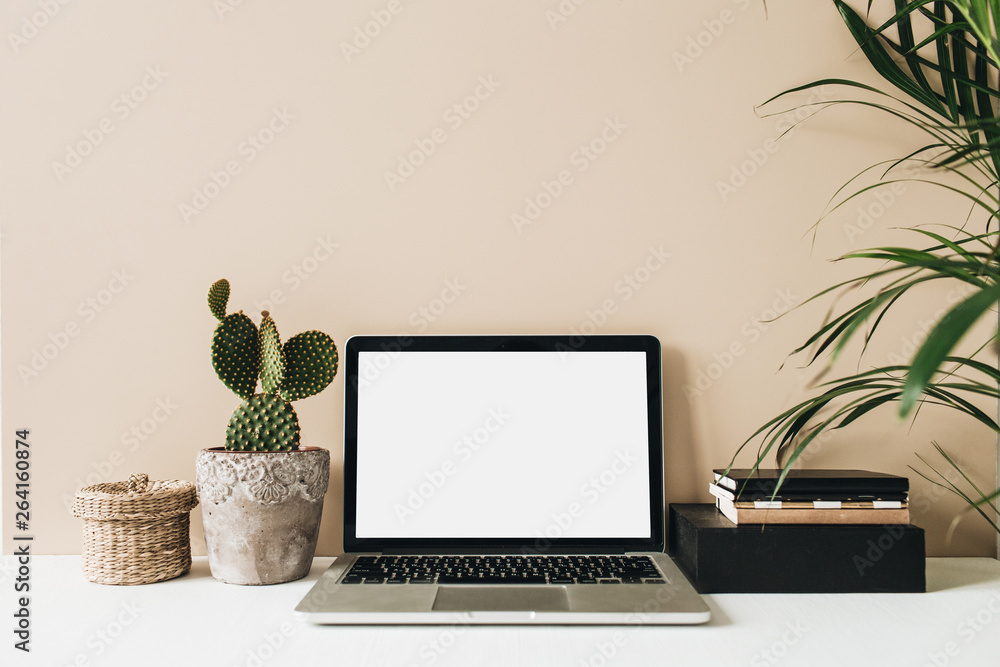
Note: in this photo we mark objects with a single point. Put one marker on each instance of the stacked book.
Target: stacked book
(747, 496)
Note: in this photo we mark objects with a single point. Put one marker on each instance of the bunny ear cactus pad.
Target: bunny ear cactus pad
(236, 354)
(311, 361)
(272, 362)
(218, 298)
(263, 423)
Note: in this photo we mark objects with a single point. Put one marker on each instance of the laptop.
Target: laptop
(503, 480)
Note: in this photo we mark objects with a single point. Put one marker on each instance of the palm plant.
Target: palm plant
(948, 77)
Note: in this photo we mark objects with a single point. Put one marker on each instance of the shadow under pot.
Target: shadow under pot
(261, 512)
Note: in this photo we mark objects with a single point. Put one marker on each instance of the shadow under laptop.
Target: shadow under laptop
(719, 617)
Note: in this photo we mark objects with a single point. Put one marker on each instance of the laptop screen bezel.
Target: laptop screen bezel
(501, 343)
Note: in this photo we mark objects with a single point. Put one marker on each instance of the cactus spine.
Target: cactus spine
(242, 354)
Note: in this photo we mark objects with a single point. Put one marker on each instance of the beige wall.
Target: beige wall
(107, 258)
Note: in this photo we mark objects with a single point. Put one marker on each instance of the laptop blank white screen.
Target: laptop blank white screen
(502, 445)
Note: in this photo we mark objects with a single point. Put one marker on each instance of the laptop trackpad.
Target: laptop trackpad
(501, 598)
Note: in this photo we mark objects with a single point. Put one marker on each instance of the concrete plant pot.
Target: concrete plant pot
(261, 512)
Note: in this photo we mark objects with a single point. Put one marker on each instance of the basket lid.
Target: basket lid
(137, 498)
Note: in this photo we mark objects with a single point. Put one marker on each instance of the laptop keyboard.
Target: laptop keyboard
(503, 570)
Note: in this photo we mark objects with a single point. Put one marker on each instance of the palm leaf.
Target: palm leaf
(883, 62)
(948, 79)
(953, 488)
(942, 340)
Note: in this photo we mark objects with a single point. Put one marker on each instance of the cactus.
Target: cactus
(310, 364)
(242, 354)
(272, 363)
(218, 298)
(263, 422)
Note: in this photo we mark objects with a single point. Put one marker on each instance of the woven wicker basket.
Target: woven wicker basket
(136, 532)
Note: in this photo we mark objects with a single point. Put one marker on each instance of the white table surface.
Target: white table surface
(195, 620)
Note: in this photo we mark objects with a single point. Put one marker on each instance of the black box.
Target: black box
(721, 557)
